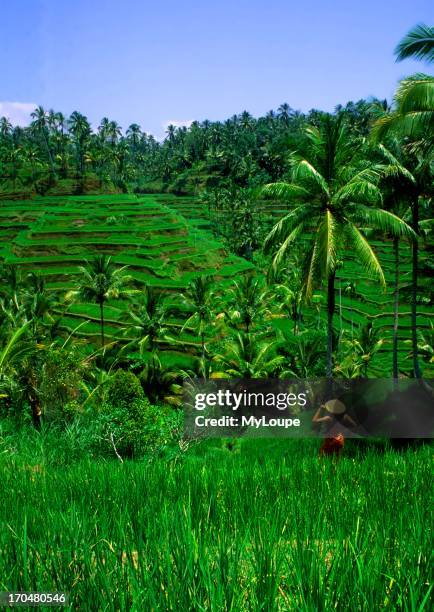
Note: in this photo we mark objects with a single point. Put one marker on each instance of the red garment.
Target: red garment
(332, 446)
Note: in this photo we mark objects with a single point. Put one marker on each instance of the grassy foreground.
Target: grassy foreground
(266, 526)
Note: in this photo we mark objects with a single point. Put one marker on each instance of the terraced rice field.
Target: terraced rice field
(56, 235)
(165, 241)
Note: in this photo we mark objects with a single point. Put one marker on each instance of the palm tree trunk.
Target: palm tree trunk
(396, 310)
(101, 317)
(64, 165)
(202, 338)
(330, 312)
(50, 156)
(299, 317)
(415, 223)
(36, 411)
(33, 398)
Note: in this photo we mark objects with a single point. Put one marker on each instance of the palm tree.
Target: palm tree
(303, 354)
(247, 298)
(5, 127)
(18, 362)
(103, 128)
(10, 284)
(171, 133)
(198, 299)
(160, 382)
(114, 132)
(133, 134)
(333, 192)
(61, 140)
(357, 353)
(79, 127)
(32, 156)
(413, 114)
(403, 187)
(418, 43)
(284, 113)
(101, 281)
(414, 99)
(14, 156)
(148, 320)
(248, 356)
(40, 126)
(288, 290)
(119, 157)
(413, 118)
(38, 304)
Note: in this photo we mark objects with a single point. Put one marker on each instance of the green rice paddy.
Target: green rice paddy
(54, 236)
(217, 529)
(166, 242)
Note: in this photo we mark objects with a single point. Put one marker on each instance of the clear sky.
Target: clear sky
(161, 61)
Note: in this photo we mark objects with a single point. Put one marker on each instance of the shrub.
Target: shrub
(60, 379)
(124, 389)
(138, 428)
(129, 425)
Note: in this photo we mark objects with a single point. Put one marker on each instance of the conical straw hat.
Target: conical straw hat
(334, 406)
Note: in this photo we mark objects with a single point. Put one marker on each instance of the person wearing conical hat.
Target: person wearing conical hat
(332, 417)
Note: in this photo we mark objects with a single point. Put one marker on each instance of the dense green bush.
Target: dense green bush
(129, 425)
(137, 429)
(124, 388)
(60, 379)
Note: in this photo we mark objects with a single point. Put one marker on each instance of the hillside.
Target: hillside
(165, 242)
(53, 236)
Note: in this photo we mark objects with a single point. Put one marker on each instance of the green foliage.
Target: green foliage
(159, 380)
(62, 372)
(123, 427)
(124, 389)
(199, 300)
(340, 193)
(356, 353)
(334, 190)
(236, 218)
(159, 261)
(418, 43)
(247, 355)
(304, 353)
(128, 425)
(148, 318)
(136, 429)
(246, 303)
(413, 115)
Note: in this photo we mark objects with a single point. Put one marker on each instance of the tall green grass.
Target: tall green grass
(266, 526)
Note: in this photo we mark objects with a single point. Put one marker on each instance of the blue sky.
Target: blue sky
(173, 61)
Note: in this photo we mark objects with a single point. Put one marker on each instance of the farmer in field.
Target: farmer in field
(334, 421)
